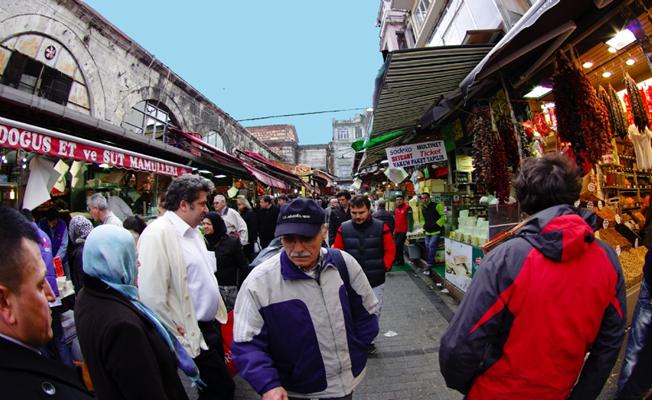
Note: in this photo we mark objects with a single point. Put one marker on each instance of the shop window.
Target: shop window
(342, 133)
(150, 118)
(358, 132)
(31, 76)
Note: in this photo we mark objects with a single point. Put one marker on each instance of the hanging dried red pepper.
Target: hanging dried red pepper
(639, 114)
(491, 173)
(582, 119)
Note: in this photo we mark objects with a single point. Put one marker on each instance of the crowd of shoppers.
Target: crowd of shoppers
(153, 298)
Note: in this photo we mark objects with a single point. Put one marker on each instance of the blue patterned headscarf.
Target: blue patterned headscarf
(110, 255)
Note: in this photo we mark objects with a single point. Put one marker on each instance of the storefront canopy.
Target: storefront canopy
(21, 136)
(412, 80)
(545, 27)
(271, 169)
(264, 177)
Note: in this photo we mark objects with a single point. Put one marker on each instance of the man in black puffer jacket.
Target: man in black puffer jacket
(370, 242)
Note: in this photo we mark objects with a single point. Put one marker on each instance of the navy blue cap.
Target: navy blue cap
(301, 217)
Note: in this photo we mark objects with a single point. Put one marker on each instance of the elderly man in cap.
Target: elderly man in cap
(304, 317)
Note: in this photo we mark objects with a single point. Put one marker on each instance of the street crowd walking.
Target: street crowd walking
(302, 288)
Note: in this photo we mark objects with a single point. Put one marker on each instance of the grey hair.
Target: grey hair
(98, 201)
(243, 200)
(220, 197)
(186, 187)
(380, 203)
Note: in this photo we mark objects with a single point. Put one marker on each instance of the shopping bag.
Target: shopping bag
(227, 341)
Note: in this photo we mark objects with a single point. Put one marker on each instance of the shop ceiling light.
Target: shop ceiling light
(104, 165)
(384, 162)
(630, 61)
(622, 39)
(612, 50)
(538, 92)
(220, 176)
(606, 74)
(587, 65)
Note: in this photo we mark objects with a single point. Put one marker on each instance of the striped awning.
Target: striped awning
(412, 80)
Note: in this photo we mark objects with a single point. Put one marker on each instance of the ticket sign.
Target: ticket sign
(415, 154)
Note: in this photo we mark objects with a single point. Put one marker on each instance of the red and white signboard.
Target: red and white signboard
(40, 143)
(415, 154)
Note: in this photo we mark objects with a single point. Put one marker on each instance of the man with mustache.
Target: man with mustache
(304, 317)
(176, 280)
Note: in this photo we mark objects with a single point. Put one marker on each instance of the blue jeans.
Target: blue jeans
(431, 249)
(630, 381)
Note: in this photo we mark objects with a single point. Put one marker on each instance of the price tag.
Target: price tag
(591, 187)
(577, 203)
(605, 224)
(618, 219)
(618, 250)
(589, 205)
(600, 205)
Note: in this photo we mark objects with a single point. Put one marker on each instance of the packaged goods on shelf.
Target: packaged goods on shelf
(613, 238)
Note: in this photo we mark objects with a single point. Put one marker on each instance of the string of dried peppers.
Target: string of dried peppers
(491, 173)
(638, 107)
(582, 118)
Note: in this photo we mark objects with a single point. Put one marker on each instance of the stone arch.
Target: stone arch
(150, 93)
(70, 40)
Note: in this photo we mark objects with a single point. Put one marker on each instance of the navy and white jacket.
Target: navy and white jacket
(308, 335)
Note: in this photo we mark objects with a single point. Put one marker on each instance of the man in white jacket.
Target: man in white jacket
(176, 280)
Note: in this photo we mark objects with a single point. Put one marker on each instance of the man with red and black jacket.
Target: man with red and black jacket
(540, 302)
(403, 224)
(370, 242)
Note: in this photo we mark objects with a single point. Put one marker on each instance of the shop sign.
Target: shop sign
(416, 154)
(462, 260)
(20, 139)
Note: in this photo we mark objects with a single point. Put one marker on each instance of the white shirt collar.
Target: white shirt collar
(179, 224)
(18, 342)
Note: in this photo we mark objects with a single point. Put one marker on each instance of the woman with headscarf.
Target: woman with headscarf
(232, 265)
(250, 218)
(78, 230)
(130, 354)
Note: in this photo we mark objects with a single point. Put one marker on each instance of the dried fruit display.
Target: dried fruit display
(632, 262)
(508, 138)
(614, 238)
(582, 119)
(639, 112)
(606, 213)
(619, 118)
(491, 172)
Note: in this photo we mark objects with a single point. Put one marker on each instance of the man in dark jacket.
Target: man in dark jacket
(25, 321)
(370, 242)
(382, 214)
(433, 216)
(267, 215)
(339, 215)
(539, 302)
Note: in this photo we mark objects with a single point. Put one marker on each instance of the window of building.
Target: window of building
(150, 118)
(422, 11)
(358, 132)
(215, 139)
(34, 77)
(342, 133)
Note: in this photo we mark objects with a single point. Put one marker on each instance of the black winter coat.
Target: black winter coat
(250, 218)
(385, 216)
(126, 356)
(338, 217)
(26, 375)
(267, 224)
(232, 265)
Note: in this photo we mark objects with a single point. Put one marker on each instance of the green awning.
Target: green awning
(360, 145)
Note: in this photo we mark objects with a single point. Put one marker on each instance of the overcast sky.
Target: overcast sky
(260, 58)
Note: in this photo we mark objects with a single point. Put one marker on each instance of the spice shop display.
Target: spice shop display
(491, 174)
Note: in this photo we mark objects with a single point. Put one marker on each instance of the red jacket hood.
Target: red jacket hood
(560, 233)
